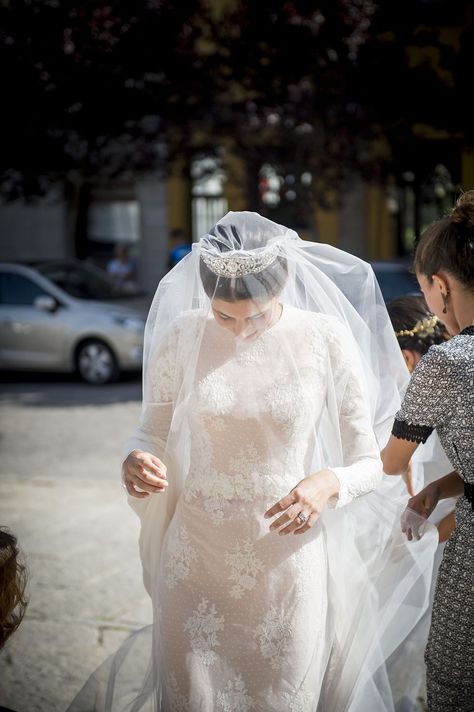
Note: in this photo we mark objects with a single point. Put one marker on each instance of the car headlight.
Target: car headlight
(131, 323)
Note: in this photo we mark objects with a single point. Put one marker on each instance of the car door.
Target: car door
(30, 337)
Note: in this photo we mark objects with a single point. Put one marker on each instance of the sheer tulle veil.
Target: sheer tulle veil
(377, 582)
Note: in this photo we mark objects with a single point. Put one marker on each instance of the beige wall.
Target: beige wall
(34, 231)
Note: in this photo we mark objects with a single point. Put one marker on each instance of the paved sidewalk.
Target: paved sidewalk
(59, 493)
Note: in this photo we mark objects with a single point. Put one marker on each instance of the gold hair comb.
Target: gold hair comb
(422, 328)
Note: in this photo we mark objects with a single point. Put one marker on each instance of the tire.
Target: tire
(96, 362)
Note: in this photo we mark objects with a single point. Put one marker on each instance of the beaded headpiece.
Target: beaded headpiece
(421, 328)
(239, 264)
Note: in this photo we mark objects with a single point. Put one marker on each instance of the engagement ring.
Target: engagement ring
(302, 517)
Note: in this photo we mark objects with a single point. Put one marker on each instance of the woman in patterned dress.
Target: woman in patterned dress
(271, 376)
(441, 396)
(417, 329)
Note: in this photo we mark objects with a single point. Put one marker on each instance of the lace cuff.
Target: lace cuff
(344, 496)
(409, 431)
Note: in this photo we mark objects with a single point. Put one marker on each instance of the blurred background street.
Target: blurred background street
(60, 493)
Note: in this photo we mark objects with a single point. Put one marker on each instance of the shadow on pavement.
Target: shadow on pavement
(49, 390)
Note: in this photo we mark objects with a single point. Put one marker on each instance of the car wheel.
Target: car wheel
(96, 362)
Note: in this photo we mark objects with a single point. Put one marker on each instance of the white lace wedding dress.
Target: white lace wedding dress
(242, 614)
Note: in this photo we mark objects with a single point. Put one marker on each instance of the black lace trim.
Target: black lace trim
(469, 331)
(409, 431)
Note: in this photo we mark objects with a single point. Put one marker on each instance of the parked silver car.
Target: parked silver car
(66, 316)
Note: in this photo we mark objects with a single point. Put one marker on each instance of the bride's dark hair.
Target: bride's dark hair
(262, 285)
(448, 244)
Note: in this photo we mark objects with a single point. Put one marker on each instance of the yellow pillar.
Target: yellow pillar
(179, 199)
(381, 236)
(327, 223)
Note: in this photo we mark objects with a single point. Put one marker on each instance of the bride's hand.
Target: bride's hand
(307, 499)
(143, 470)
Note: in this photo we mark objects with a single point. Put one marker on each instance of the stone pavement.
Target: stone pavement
(60, 494)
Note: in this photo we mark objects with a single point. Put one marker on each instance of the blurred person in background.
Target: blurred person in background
(417, 329)
(179, 247)
(440, 396)
(122, 268)
(12, 588)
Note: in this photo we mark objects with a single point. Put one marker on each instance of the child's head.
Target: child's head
(415, 327)
(12, 586)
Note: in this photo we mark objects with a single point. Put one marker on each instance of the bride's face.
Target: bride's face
(246, 319)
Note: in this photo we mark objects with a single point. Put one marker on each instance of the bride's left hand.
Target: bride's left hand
(309, 498)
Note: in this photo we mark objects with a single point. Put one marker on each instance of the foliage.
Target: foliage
(320, 89)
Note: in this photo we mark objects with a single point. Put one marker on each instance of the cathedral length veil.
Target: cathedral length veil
(377, 582)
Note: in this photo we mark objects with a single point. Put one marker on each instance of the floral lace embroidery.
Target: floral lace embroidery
(285, 401)
(244, 566)
(274, 635)
(247, 354)
(177, 701)
(308, 574)
(234, 698)
(181, 556)
(163, 373)
(203, 626)
(299, 701)
(248, 479)
(201, 451)
(215, 394)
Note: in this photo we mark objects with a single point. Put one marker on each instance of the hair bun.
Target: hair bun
(463, 212)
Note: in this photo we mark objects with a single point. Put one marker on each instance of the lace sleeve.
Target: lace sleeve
(362, 467)
(160, 389)
(426, 402)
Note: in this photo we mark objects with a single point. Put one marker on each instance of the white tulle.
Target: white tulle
(244, 619)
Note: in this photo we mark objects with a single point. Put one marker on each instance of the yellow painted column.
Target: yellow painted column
(381, 236)
(327, 223)
(179, 199)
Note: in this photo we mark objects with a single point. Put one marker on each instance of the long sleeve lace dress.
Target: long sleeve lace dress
(242, 613)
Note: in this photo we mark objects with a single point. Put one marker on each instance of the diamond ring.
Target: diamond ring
(302, 517)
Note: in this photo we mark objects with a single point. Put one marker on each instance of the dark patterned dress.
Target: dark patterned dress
(441, 396)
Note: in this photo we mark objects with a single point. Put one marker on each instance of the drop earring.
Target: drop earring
(445, 302)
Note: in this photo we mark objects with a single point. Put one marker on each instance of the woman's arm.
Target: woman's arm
(424, 503)
(423, 409)
(142, 467)
(397, 454)
(446, 527)
(451, 485)
(361, 467)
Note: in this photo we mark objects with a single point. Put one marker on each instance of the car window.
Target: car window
(17, 290)
(83, 283)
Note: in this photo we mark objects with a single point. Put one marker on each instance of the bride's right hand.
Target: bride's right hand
(144, 471)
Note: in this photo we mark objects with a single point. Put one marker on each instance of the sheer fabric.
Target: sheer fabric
(245, 619)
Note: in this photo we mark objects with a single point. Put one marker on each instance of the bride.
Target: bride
(271, 376)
